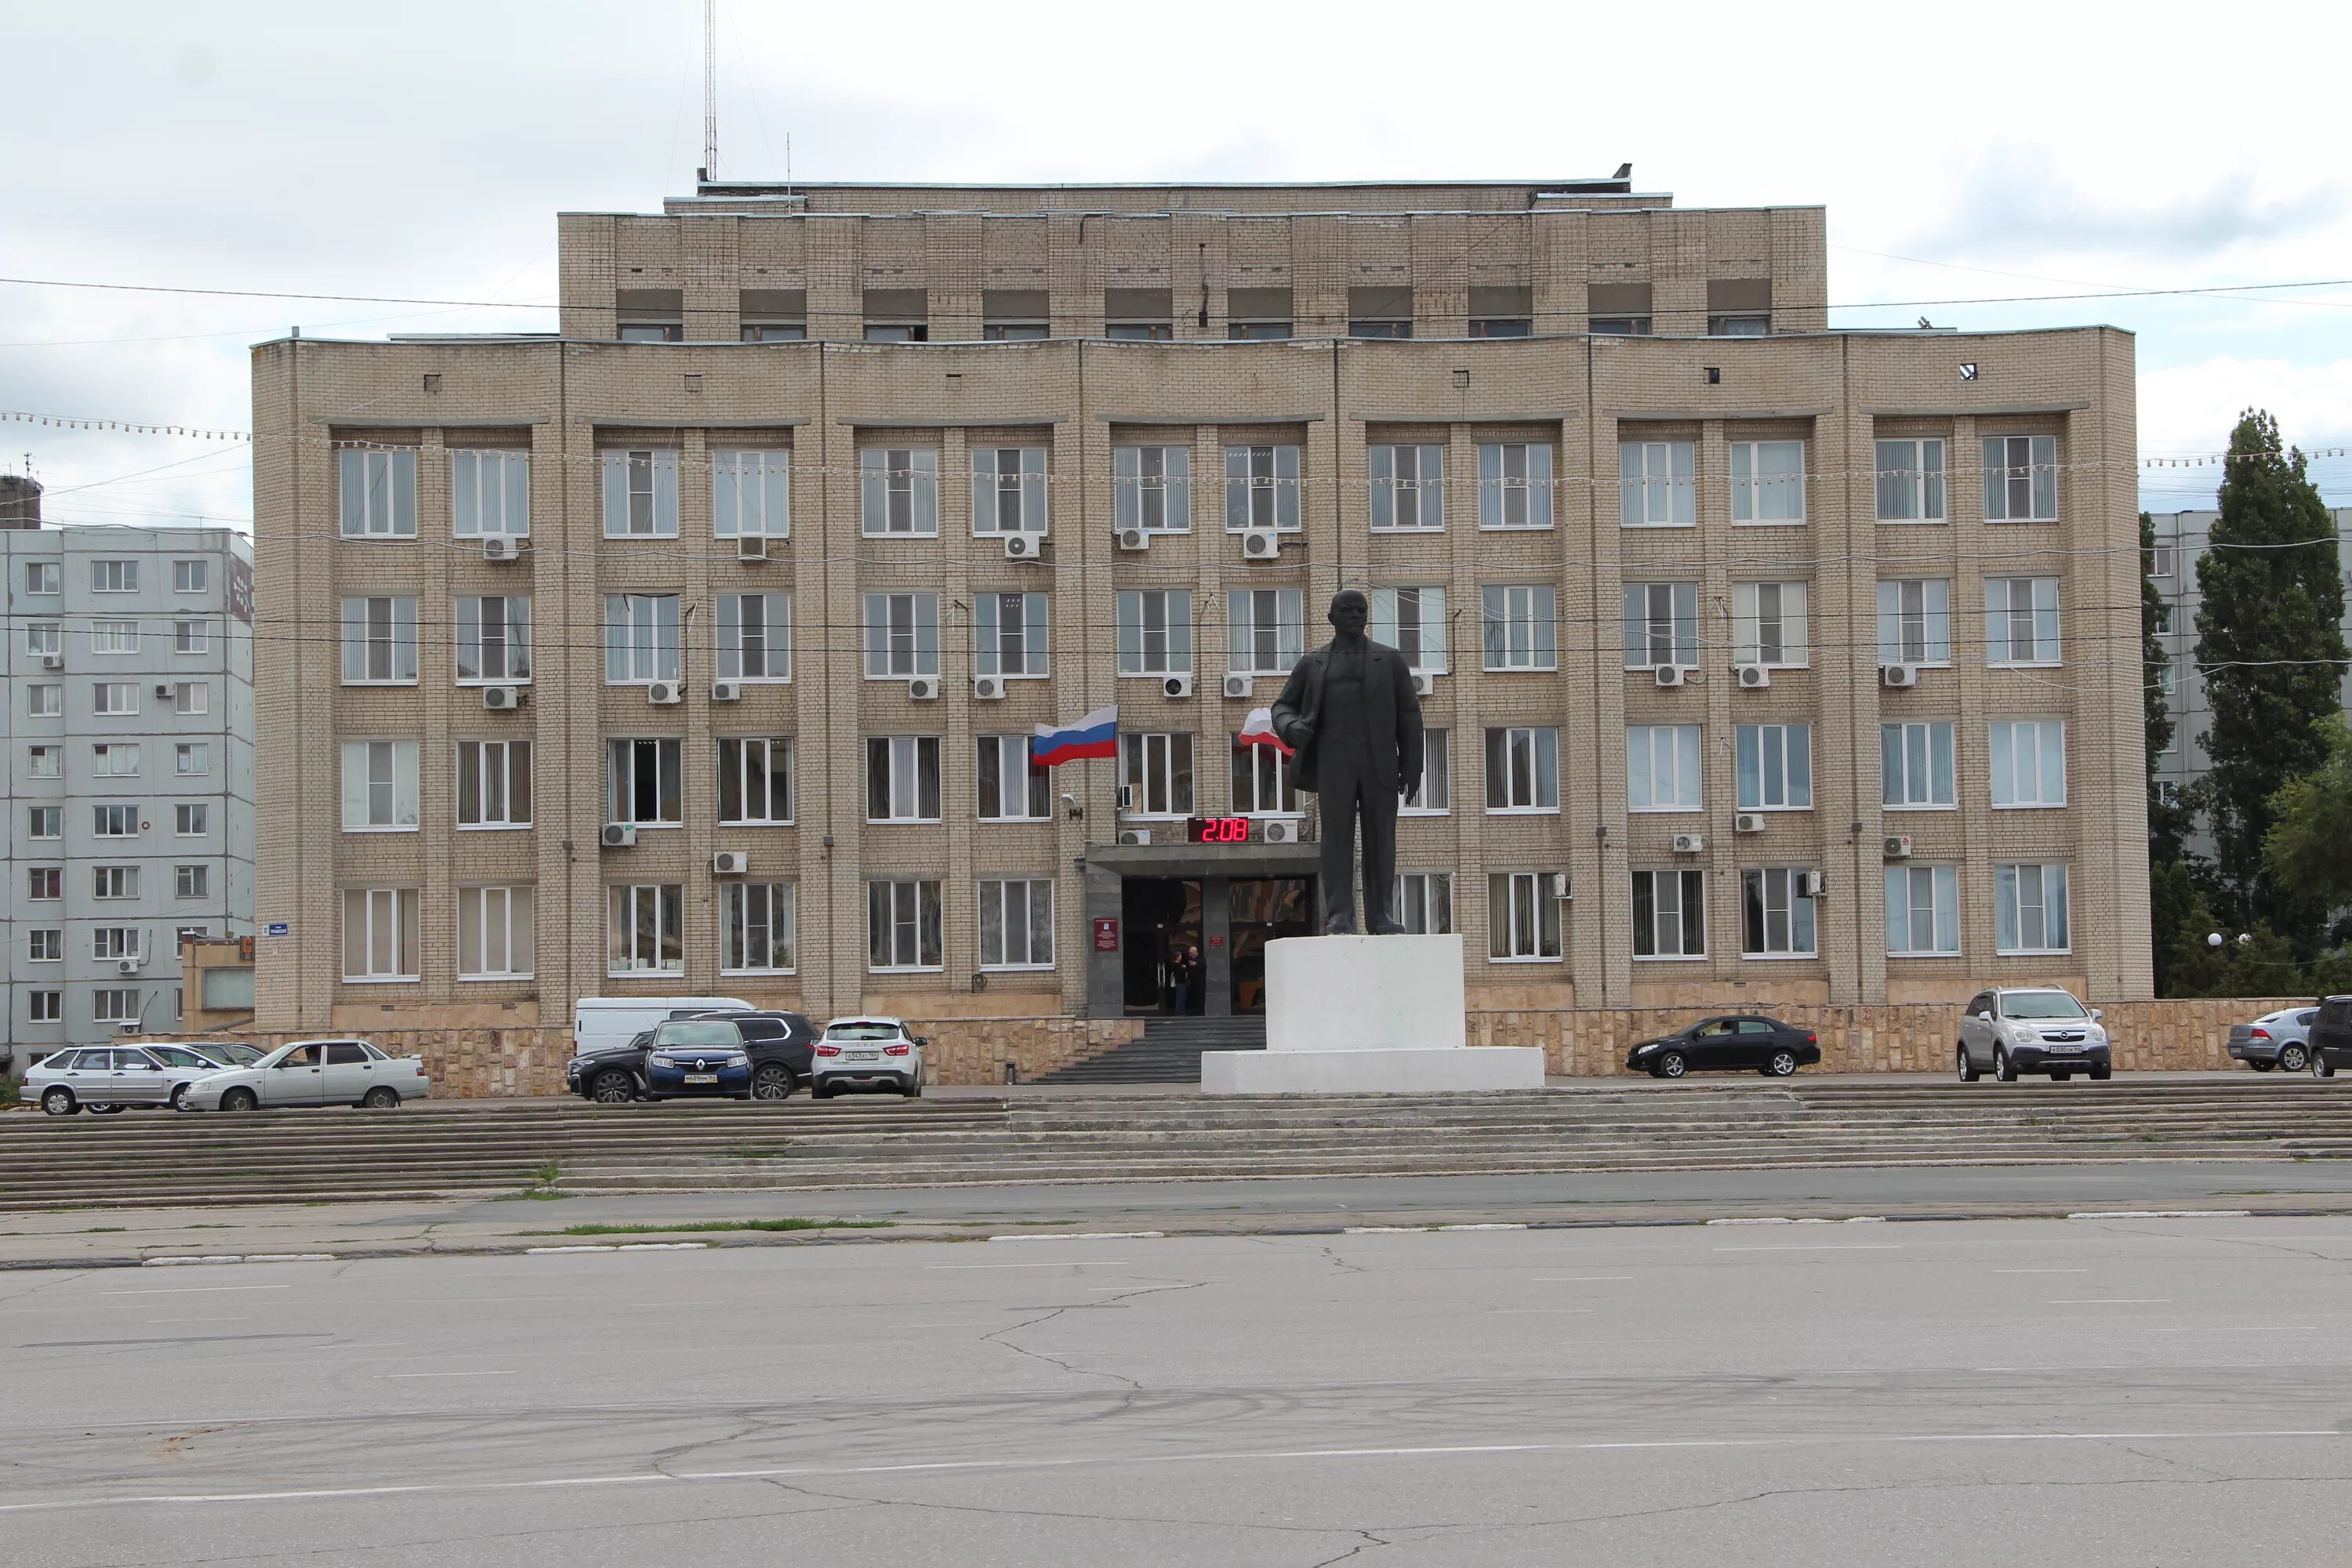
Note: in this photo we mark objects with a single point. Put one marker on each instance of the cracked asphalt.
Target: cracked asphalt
(2091, 1392)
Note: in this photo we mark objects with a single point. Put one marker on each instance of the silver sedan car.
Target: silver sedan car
(103, 1079)
(313, 1072)
(2276, 1040)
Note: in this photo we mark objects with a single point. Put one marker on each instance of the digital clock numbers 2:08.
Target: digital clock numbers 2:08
(1216, 830)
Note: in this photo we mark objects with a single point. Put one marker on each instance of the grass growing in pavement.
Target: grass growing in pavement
(705, 1225)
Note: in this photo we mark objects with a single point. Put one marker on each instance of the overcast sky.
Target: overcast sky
(423, 148)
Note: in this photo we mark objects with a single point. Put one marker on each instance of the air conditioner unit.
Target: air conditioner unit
(1897, 847)
(1281, 831)
(924, 689)
(1898, 675)
(1423, 683)
(1748, 822)
(499, 547)
(1261, 544)
(1689, 843)
(987, 688)
(619, 836)
(1135, 835)
(1668, 674)
(163, 691)
(665, 693)
(729, 863)
(1023, 546)
(131, 966)
(53, 661)
(727, 691)
(1809, 885)
(1134, 539)
(750, 547)
(501, 698)
(1754, 676)
(1239, 687)
(1562, 885)
(1177, 686)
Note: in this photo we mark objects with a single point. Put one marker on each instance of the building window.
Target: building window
(1662, 767)
(115, 1005)
(1658, 485)
(1619, 326)
(2164, 561)
(897, 332)
(899, 489)
(2164, 624)
(45, 946)
(1500, 326)
(641, 494)
(1009, 635)
(1262, 780)
(114, 576)
(45, 882)
(44, 699)
(1661, 626)
(1408, 487)
(1776, 767)
(2021, 620)
(113, 944)
(379, 786)
(494, 784)
(1413, 622)
(44, 762)
(756, 928)
(1522, 916)
(1151, 488)
(1140, 332)
(2020, 479)
(2168, 791)
(1159, 772)
(1373, 327)
(1750, 326)
(190, 576)
(192, 697)
(1434, 796)
(1669, 914)
(43, 640)
(902, 778)
(1778, 914)
(45, 1007)
(751, 491)
(1257, 332)
(113, 637)
(2029, 909)
(902, 636)
(182, 935)
(653, 331)
(44, 822)
(2029, 762)
(643, 928)
(902, 925)
(495, 941)
(379, 493)
(1265, 630)
(1914, 622)
(1016, 924)
(1008, 489)
(1768, 625)
(1521, 632)
(493, 638)
(1523, 769)
(755, 782)
(191, 881)
(489, 494)
(191, 759)
(190, 819)
(1261, 487)
(1013, 331)
(1155, 631)
(1514, 485)
(1768, 481)
(643, 782)
(1911, 481)
(114, 821)
(640, 639)
(1915, 766)
(755, 636)
(1923, 911)
(379, 642)
(115, 760)
(114, 882)
(1012, 787)
(1424, 904)
(42, 577)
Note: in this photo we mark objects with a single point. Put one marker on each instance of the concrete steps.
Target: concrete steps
(1168, 1052)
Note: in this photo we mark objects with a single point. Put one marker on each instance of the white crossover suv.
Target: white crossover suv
(2032, 1029)
(866, 1053)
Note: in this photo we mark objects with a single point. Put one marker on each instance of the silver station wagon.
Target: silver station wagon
(103, 1079)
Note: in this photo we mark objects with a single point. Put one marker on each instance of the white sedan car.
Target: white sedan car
(866, 1053)
(313, 1072)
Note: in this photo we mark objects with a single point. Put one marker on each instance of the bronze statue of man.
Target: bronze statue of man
(1350, 715)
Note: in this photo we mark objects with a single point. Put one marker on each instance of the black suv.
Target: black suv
(782, 1047)
(2331, 1037)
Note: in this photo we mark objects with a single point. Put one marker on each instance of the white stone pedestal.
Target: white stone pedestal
(1367, 1014)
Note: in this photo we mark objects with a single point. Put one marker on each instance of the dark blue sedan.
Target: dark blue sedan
(698, 1059)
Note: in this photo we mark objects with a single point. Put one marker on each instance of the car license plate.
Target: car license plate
(702, 1078)
(866, 1056)
(2065, 1047)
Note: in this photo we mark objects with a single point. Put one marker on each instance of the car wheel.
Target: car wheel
(59, 1101)
(773, 1081)
(1672, 1065)
(2293, 1058)
(2321, 1067)
(1968, 1073)
(1782, 1064)
(612, 1088)
(382, 1097)
(2002, 1067)
(2060, 1077)
(179, 1097)
(2101, 1075)
(914, 1089)
(240, 1099)
(2262, 1066)
(820, 1089)
(104, 1110)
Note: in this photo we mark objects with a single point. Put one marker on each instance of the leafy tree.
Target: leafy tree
(2271, 648)
(2308, 849)
(2168, 823)
(2184, 965)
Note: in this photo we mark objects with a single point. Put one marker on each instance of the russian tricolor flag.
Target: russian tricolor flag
(1096, 735)
(1258, 730)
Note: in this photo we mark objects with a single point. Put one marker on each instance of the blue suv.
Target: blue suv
(698, 1058)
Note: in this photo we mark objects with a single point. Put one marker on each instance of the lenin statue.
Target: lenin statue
(1349, 713)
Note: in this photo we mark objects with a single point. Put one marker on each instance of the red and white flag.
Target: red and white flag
(1258, 730)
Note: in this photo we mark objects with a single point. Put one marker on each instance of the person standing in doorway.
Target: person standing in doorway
(1193, 972)
(1180, 977)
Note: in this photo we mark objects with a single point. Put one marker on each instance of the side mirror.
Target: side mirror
(2098, 1014)
(922, 1039)
(1984, 1018)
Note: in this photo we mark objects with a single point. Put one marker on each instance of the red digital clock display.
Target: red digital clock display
(1217, 830)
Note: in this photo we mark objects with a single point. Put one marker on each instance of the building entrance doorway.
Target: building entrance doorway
(1260, 910)
(1161, 917)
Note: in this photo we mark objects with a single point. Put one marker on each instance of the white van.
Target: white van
(601, 1023)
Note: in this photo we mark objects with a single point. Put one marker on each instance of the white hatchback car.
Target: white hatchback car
(313, 1072)
(2037, 1029)
(866, 1053)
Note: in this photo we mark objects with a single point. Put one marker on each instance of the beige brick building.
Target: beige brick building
(1775, 665)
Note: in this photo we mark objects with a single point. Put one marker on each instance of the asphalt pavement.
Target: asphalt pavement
(2091, 1392)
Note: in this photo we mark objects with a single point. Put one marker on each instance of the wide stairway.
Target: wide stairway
(558, 1146)
(1169, 1051)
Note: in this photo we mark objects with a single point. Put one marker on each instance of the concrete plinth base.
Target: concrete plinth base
(1448, 1069)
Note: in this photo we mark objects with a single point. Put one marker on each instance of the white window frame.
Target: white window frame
(641, 638)
(1265, 630)
(752, 915)
(1408, 487)
(902, 636)
(43, 822)
(2039, 619)
(115, 819)
(1137, 655)
(2027, 461)
(191, 758)
(1016, 646)
(44, 579)
(113, 882)
(2015, 918)
(1942, 885)
(1933, 618)
(1435, 795)
(110, 639)
(1657, 484)
(1261, 488)
(743, 641)
(1757, 492)
(45, 1007)
(44, 944)
(1771, 625)
(907, 908)
(45, 761)
(1523, 923)
(44, 699)
(1912, 481)
(640, 486)
(44, 640)
(191, 637)
(1413, 621)
(1772, 893)
(191, 881)
(191, 576)
(376, 640)
(509, 637)
(1260, 775)
(377, 492)
(624, 757)
(1519, 627)
(1522, 770)
(1004, 897)
(1689, 888)
(904, 777)
(628, 950)
(899, 484)
(754, 763)
(1161, 773)
(2164, 561)
(385, 920)
(1643, 620)
(1008, 480)
(1917, 757)
(1515, 486)
(1665, 754)
(490, 493)
(751, 493)
(515, 941)
(2003, 754)
(186, 812)
(114, 576)
(379, 786)
(114, 760)
(191, 697)
(1151, 482)
(116, 1005)
(1791, 780)
(1423, 902)
(497, 765)
(1007, 757)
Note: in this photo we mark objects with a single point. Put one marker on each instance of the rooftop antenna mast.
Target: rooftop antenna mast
(710, 90)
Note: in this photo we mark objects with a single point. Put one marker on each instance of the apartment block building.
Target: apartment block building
(2181, 539)
(130, 655)
(694, 647)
